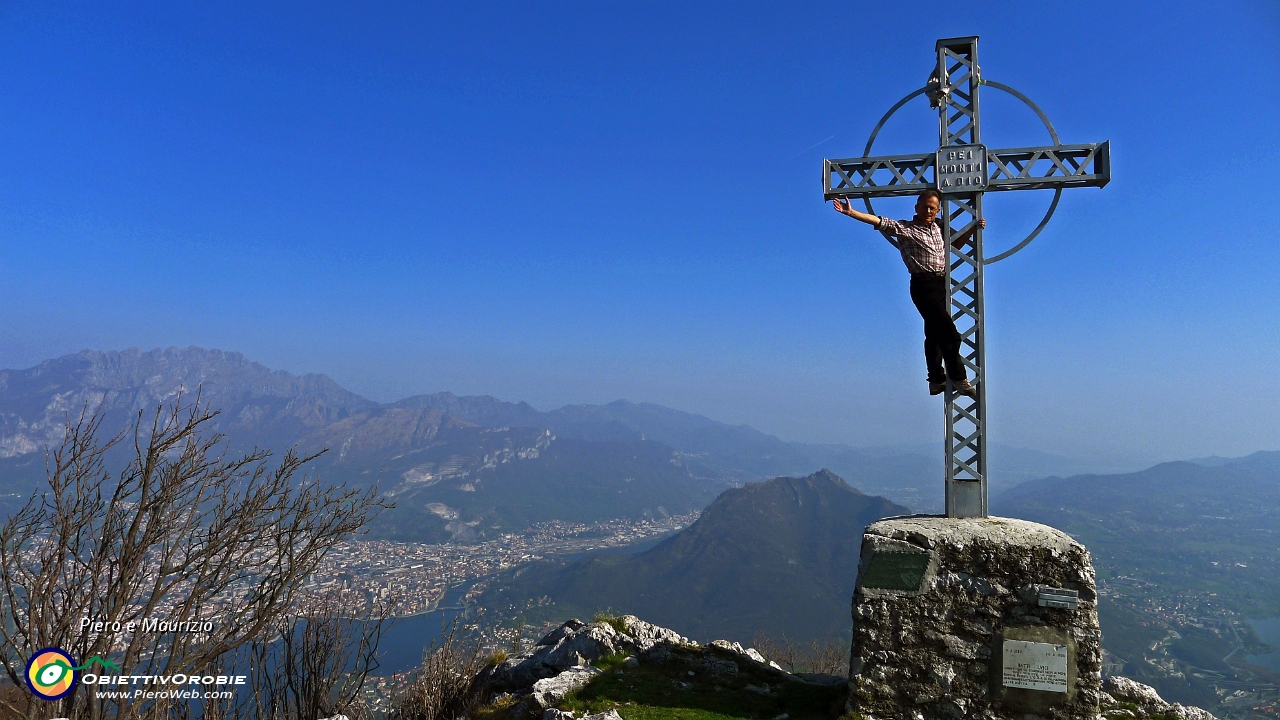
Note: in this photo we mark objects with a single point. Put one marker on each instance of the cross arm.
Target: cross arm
(885, 176)
(1053, 166)
(1033, 168)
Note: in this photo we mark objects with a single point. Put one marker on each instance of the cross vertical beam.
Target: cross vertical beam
(962, 170)
(958, 77)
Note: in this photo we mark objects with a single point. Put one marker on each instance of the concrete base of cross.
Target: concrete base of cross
(974, 618)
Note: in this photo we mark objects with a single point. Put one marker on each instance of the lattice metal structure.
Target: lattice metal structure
(1036, 168)
(963, 169)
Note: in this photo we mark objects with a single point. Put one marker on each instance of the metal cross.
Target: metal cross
(963, 170)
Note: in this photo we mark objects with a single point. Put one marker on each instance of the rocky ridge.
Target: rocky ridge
(271, 405)
(535, 683)
(275, 409)
(453, 480)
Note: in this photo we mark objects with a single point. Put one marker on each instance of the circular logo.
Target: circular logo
(51, 673)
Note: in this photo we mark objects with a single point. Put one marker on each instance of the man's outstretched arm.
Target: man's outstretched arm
(843, 207)
(968, 235)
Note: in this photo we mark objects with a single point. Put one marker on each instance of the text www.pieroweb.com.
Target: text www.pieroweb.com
(142, 694)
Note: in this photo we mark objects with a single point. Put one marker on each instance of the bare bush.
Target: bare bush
(829, 658)
(314, 664)
(183, 533)
(445, 688)
(14, 702)
(782, 652)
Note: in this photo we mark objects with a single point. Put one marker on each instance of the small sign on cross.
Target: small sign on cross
(961, 168)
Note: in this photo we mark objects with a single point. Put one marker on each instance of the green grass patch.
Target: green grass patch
(667, 691)
(609, 662)
(611, 620)
(498, 710)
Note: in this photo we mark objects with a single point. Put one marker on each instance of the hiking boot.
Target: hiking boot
(964, 387)
(937, 388)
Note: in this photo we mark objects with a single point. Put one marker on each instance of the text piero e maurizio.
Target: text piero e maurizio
(146, 625)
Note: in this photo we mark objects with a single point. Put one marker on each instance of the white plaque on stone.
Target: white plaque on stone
(1035, 666)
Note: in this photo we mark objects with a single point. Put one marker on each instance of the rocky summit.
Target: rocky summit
(592, 669)
(624, 667)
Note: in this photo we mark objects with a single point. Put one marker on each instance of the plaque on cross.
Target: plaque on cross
(963, 170)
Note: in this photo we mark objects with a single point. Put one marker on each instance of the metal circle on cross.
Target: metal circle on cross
(963, 170)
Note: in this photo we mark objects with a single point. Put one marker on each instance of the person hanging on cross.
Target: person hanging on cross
(925, 254)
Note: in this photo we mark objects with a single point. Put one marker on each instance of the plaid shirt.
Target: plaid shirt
(921, 246)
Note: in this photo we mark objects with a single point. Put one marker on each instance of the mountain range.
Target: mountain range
(459, 468)
(1185, 551)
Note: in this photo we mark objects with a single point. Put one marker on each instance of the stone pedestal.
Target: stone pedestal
(974, 618)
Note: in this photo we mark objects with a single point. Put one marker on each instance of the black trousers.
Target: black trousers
(941, 339)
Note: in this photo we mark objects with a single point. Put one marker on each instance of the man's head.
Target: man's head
(928, 205)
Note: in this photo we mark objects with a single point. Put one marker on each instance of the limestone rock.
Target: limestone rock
(555, 636)
(750, 653)
(550, 691)
(534, 682)
(572, 644)
(577, 643)
(646, 635)
(1122, 689)
(585, 645)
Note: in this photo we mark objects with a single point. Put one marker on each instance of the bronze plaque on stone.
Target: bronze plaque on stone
(896, 571)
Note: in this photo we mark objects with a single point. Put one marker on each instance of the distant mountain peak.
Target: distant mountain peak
(273, 406)
(739, 568)
(132, 366)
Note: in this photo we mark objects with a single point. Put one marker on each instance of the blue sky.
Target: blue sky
(569, 203)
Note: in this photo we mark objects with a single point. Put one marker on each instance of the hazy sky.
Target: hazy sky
(580, 202)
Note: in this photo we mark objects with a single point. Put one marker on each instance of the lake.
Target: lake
(1269, 631)
(405, 639)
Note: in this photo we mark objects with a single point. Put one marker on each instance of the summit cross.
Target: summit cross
(963, 170)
